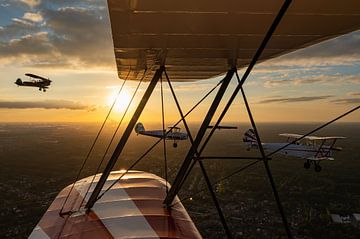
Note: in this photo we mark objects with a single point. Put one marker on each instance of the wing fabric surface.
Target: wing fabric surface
(131, 209)
(204, 38)
(312, 138)
(37, 77)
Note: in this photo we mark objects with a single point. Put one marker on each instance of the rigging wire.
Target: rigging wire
(219, 181)
(112, 138)
(93, 144)
(157, 142)
(275, 151)
(164, 137)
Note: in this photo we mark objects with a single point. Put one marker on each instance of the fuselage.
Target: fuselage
(160, 134)
(40, 84)
(295, 150)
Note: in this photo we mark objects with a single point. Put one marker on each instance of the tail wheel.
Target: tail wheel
(317, 168)
(307, 164)
(175, 145)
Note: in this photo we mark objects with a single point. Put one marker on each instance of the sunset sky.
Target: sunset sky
(70, 42)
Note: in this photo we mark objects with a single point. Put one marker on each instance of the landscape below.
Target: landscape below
(38, 160)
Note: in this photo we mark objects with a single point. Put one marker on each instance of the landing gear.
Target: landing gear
(175, 145)
(39, 89)
(317, 168)
(44, 90)
(307, 164)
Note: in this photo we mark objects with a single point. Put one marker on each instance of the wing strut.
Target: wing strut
(113, 137)
(124, 138)
(189, 157)
(267, 167)
(187, 165)
(194, 160)
(92, 147)
(164, 133)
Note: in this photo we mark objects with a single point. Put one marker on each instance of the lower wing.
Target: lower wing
(320, 158)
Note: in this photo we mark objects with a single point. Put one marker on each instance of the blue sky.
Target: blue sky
(70, 42)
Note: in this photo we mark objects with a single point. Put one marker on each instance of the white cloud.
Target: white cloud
(23, 22)
(34, 17)
(31, 3)
(275, 83)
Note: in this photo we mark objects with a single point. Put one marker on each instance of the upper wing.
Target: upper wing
(320, 158)
(311, 137)
(37, 77)
(202, 39)
(325, 138)
(294, 136)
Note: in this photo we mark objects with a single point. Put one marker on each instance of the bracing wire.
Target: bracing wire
(93, 144)
(131, 167)
(113, 137)
(164, 137)
(158, 141)
(219, 181)
(275, 151)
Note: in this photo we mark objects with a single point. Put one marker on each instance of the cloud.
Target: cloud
(33, 17)
(31, 3)
(35, 44)
(343, 50)
(325, 79)
(17, 27)
(295, 99)
(24, 22)
(347, 101)
(46, 104)
(353, 93)
(82, 34)
(275, 83)
(72, 36)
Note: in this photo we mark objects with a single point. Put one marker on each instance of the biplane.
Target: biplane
(184, 41)
(313, 149)
(35, 81)
(173, 134)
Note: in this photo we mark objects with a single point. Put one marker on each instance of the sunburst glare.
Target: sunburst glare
(122, 100)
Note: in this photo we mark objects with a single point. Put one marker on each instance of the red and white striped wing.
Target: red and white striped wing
(132, 208)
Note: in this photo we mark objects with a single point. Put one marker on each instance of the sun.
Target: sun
(122, 100)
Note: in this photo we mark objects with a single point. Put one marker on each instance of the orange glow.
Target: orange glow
(122, 100)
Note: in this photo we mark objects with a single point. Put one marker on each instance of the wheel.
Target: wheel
(175, 145)
(307, 164)
(39, 89)
(317, 168)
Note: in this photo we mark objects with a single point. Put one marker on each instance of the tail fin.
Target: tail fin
(139, 127)
(18, 81)
(250, 138)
